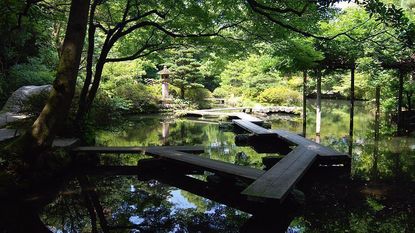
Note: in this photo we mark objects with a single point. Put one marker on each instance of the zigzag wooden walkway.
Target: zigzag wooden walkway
(276, 183)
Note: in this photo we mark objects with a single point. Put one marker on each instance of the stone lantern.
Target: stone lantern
(164, 82)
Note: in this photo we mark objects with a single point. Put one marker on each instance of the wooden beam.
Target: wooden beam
(135, 150)
(310, 145)
(277, 182)
(251, 127)
(215, 166)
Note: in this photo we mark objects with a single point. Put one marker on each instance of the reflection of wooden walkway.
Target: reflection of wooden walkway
(228, 115)
(276, 183)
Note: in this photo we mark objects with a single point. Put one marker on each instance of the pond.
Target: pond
(378, 198)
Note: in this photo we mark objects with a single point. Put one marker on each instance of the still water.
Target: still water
(378, 198)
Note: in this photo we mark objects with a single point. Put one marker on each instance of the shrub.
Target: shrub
(136, 98)
(198, 96)
(280, 96)
(220, 92)
(31, 73)
(127, 98)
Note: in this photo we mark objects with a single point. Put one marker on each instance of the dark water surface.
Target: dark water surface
(378, 198)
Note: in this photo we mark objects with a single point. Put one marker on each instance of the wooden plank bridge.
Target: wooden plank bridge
(274, 184)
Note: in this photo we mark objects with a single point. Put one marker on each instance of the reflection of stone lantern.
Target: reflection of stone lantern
(164, 82)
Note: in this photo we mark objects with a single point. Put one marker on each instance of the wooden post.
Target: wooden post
(352, 71)
(410, 92)
(376, 146)
(318, 106)
(375, 170)
(304, 103)
(400, 97)
(165, 132)
(377, 113)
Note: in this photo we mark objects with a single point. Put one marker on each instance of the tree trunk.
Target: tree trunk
(400, 102)
(352, 71)
(318, 106)
(88, 78)
(89, 91)
(182, 92)
(304, 103)
(58, 104)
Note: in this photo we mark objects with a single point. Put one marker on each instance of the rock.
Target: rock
(241, 156)
(6, 134)
(20, 100)
(277, 109)
(27, 99)
(8, 117)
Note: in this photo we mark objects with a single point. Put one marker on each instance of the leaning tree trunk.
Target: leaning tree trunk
(53, 115)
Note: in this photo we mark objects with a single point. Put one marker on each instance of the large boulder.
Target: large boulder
(27, 99)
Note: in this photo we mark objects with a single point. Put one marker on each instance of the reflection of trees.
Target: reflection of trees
(146, 207)
(147, 201)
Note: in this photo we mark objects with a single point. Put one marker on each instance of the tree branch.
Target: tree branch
(255, 4)
(173, 34)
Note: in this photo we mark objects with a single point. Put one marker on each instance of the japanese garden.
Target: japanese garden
(207, 116)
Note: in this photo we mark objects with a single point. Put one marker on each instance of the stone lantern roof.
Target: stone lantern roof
(164, 71)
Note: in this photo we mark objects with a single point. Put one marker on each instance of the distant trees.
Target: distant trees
(141, 29)
(186, 70)
(121, 30)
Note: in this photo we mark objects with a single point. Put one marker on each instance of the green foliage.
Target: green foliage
(249, 77)
(280, 95)
(297, 54)
(199, 96)
(122, 91)
(27, 54)
(363, 88)
(35, 72)
(408, 4)
(186, 70)
(137, 98)
(393, 17)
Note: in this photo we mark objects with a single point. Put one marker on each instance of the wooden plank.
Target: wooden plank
(251, 127)
(247, 117)
(281, 178)
(310, 145)
(134, 150)
(208, 164)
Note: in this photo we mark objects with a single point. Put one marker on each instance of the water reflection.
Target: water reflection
(378, 199)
